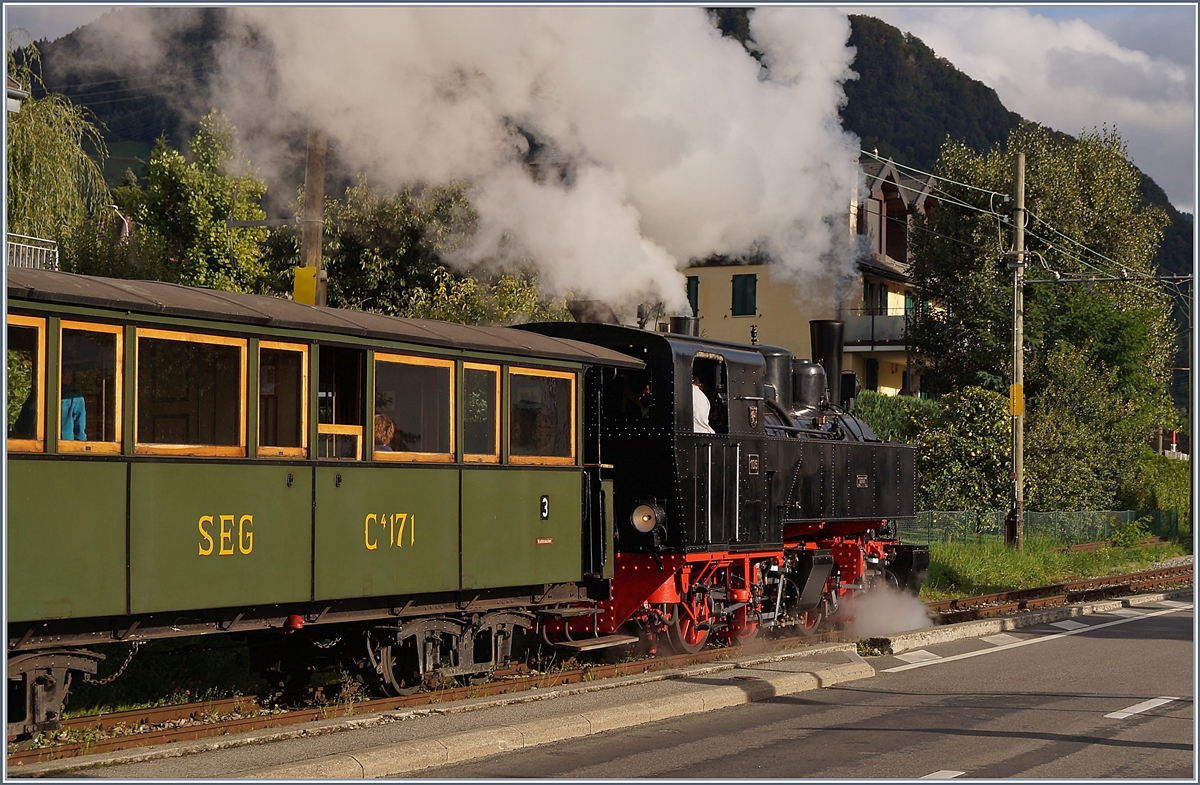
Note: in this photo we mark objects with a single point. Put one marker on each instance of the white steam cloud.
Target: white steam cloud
(677, 143)
(883, 611)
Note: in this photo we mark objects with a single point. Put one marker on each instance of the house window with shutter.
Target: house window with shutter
(744, 295)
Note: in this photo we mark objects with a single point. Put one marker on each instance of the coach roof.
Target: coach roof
(166, 299)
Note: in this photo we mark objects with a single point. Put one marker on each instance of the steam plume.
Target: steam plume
(661, 141)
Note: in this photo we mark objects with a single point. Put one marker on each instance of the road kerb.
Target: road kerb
(395, 759)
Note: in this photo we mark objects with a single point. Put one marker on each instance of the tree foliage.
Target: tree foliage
(1097, 356)
(387, 252)
(896, 418)
(55, 155)
(180, 216)
(382, 245)
(963, 455)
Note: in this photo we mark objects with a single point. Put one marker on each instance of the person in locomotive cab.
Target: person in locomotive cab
(74, 411)
(385, 429)
(700, 407)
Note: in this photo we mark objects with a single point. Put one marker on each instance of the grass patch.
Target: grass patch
(166, 672)
(961, 570)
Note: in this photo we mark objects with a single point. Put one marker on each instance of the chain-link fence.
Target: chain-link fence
(1066, 528)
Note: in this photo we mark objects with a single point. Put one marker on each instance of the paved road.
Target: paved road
(1110, 698)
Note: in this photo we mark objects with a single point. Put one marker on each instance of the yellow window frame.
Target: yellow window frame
(38, 444)
(546, 460)
(484, 457)
(193, 450)
(342, 430)
(302, 450)
(96, 448)
(424, 457)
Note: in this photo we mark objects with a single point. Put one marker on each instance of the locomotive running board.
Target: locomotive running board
(603, 642)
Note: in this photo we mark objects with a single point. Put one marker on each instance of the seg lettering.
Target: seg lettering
(219, 533)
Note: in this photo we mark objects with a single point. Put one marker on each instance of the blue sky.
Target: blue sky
(1070, 66)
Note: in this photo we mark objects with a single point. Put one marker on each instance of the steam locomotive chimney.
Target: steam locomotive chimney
(685, 325)
(827, 346)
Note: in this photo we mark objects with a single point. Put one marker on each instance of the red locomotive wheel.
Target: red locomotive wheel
(741, 629)
(689, 633)
(811, 620)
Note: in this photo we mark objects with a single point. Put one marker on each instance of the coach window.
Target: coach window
(190, 394)
(26, 375)
(541, 417)
(341, 400)
(282, 400)
(481, 413)
(414, 408)
(90, 388)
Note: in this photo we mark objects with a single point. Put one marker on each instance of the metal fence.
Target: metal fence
(32, 252)
(1066, 528)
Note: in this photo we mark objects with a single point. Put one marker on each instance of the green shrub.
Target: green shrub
(1160, 483)
(896, 418)
(1131, 533)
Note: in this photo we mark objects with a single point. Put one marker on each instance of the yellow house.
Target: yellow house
(733, 300)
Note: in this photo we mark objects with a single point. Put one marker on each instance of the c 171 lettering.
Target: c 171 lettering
(219, 534)
(392, 534)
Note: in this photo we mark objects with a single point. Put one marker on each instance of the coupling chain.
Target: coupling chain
(329, 645)
(87, 677)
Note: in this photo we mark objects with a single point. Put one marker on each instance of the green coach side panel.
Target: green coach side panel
(385, 530)
(218, 535)
(66, 539)
(506, 539)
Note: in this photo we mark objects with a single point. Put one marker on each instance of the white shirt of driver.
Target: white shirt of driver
(700, 409)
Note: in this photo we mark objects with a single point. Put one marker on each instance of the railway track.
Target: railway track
(968, 608)
(188, 722)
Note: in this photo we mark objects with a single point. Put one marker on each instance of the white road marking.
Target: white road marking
(1003, 639)
(1126, 612)
(944, 774)
(1138, 708)
(920, 655)
(1039, 639)
(1174, 603)
(1068, 624)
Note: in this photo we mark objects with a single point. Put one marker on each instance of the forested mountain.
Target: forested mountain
(905, 103)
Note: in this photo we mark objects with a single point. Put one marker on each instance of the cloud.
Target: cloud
(48, 22)
(1071, 76)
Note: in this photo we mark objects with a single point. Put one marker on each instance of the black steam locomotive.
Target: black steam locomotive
(774, 515)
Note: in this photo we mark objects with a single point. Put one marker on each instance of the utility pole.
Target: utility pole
(1015, 525)
(312, 230)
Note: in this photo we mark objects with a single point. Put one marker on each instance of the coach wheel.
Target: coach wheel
(693, 616)
(396, 666)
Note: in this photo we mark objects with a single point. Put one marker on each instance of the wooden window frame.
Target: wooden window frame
(422, 457)
(192, 450)
(546, 460)
(342, 430)
(302, 450)
(484, 457)
(89, 447)
(38, 444)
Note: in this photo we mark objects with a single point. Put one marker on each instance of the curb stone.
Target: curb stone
(394, 759)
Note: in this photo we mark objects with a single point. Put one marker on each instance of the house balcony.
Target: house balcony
(32, 252)
(870, 329)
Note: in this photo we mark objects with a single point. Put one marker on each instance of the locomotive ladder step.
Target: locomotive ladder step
(603, 642)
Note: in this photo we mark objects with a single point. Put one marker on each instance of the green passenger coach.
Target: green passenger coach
(183, 461)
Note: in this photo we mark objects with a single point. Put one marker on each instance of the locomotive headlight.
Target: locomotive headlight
(647, 517)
